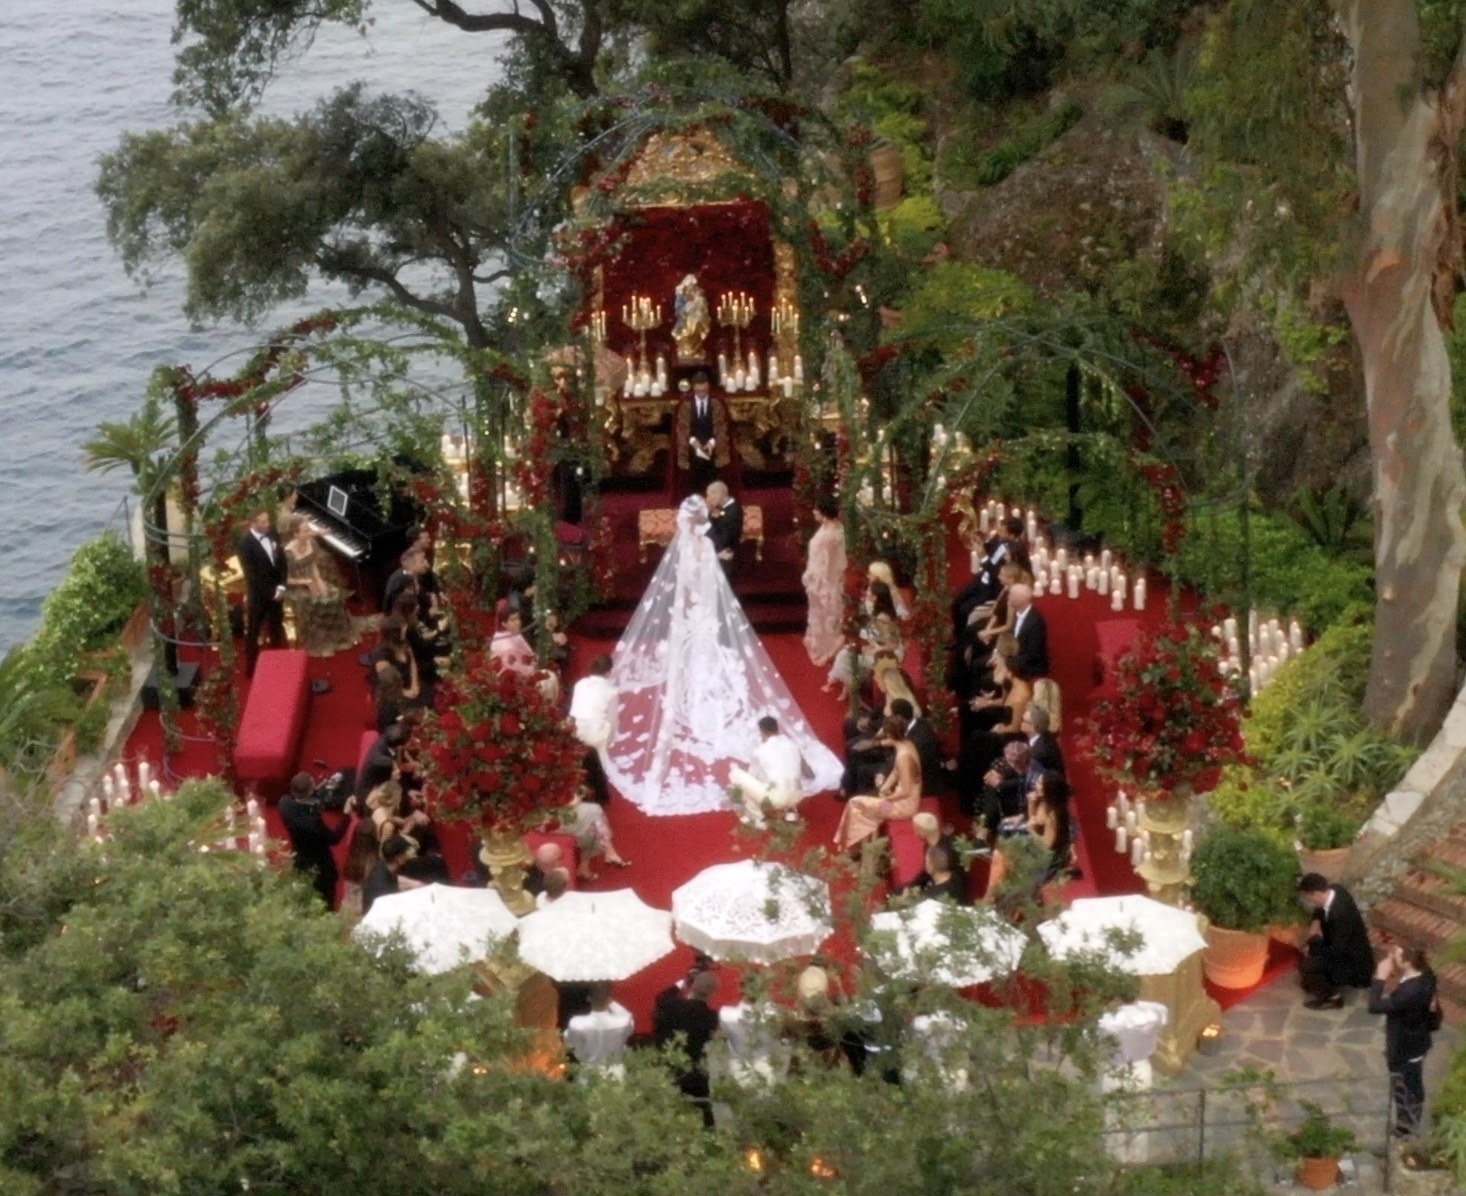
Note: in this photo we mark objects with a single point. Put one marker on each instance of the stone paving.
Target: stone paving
(1332, 1057)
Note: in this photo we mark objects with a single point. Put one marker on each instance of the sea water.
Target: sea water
(78, 338)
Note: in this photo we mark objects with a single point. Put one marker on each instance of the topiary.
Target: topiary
(1245, 879)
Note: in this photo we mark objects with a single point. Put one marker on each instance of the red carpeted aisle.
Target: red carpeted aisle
(666, 852)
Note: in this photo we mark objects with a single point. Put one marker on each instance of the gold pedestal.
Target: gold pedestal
(506, 858)
(1166, 874)
(1183, 993)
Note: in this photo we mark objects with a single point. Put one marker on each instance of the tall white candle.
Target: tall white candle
(1091, 578)
(144, 775)
(1130, 821)
(1105, 559)
(1056, 585)
(1137, 853)
(798, 368)
(1062, 557)
(252, 809)
(156, 788)
(1295, 636)
(1140, 808)
(1120, 838)
(1074, 581)
(1117, 599)
(1140, 593)
(93, 824)
(984, 520)
(109, 788)
(1103, 579)
(1187, 840)
(1112, 817)
(95, 806)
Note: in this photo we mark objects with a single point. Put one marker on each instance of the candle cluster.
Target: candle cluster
(1055, 573)
(1126, 819)
(1269, 647)
(117, 790)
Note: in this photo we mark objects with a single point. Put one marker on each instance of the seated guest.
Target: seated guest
(943, 881)
(996, 716)
(423, 645)
(1050, 822)
(394, 649)
(1005, 789)
(386, 874)
(388, 698)
(929, 832)
(547, 857)
(866, 755)
(1005, 544)
(381, 763)
(879, 572)
(557, 884)
(1029, 629)
(586, 820)
(598, 1039)
(935, 776)
(880, 634)
(772, 781)
(892, 684)
(1043, 744)
(898, 796)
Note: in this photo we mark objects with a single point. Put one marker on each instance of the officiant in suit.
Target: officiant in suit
(725, 526)
(701, 439)
(263, 560)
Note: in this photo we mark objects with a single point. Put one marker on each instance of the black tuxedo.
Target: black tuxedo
(1044, 751)
(263, 579)
(701, 420)
(725, 530)
(934, 776)
(1340, 955)
(1032, 634)
(697, 1022)
(311, 840)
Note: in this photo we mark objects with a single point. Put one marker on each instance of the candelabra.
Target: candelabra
(784, 320)
(598, 326)
(641, 315)
(736, 311)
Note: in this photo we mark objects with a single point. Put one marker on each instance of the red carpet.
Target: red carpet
(666, 852)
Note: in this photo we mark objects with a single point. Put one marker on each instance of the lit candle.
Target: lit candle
(1254, 680)
(1031, 528)
(1112, 817)
(1123, 802)
(93, 824)
(1137, 853)
(1074, 581)
(1186, 840)
(1130, 821)
(1233, 647)
(798, 368)
(144, 775)
(109, 789)
(157, 789)
(252, 809)
(95, 806)
(1230, 625)
(1040, 582)
(1120, 839)
(1103, 580)
(1295, 637)
(1117, 599)
(1140, 808)
(1062, 558)
(1056, 585)
(984, 520)
(722, 366)
(1140, 593)
(1091, 578)
(1105, 559)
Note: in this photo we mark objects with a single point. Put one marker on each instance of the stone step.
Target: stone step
(1451, 850)
(1434, 892)
(1404, 921)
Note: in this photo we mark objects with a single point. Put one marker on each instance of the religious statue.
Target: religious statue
(692, 322)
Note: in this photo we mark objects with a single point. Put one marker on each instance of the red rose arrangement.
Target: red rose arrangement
(1173, 716)
(498, 752)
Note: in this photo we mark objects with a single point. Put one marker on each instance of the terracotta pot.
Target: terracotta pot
(1234, 958)
(1317, 1174)
(1329, 864)
(886, 165)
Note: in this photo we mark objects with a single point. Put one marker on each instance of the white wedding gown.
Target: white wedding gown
(693, 679)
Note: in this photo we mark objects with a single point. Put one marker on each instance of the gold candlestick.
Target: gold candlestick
(641, 315)
(736, 310)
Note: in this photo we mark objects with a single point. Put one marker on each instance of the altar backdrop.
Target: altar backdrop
(728, 247)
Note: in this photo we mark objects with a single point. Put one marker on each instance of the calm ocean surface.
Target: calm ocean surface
(78, 340)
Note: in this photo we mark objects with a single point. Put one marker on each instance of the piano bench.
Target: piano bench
(657, 525)
(273, 721)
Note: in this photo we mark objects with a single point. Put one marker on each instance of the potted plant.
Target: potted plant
(1317, 1145)
(1326, 831)
(1244, 881)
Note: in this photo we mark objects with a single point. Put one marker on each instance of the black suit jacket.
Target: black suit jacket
(310, 837)
(725, 529)
(1407, 1016)
(1032, 661)
(1044, 751)
(262, 577)
(934, 775)
(376, 769)
(1343, 949)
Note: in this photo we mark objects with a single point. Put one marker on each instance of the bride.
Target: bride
(693, 679)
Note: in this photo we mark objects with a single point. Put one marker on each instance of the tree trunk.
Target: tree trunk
(1419, 485)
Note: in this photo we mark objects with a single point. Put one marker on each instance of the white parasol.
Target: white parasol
(595, 936)
(752, 911)
(1168, 935)
(949, 944)
(444, 926)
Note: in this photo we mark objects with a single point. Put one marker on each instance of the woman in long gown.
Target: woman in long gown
(322, 624)
(824, 585)
(899, 795)
(692, 680)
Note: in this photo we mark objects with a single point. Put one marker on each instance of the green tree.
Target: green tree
(1331, 132)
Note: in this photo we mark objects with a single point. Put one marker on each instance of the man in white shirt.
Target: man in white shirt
(598, 1039)
(773, 779)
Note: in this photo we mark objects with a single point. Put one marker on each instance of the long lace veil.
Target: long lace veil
(693, 679)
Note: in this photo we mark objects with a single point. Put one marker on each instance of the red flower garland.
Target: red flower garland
(1174, 716)
(500, 751)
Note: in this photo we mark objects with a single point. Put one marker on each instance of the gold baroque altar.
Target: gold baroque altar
(637, 430)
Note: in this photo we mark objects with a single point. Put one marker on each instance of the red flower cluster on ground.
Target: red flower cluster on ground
(1174, 716)
(500, 751)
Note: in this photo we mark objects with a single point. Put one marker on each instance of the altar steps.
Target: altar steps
(1428, 909)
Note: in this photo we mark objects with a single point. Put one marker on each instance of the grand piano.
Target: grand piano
(367, 539)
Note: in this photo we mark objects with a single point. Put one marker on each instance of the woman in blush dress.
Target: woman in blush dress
(898, 797)
(824, 584)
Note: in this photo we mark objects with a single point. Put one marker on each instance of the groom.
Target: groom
(725, 526)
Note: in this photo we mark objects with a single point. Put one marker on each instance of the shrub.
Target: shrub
(1334, 669)
(1245, 879)
(1245, 798)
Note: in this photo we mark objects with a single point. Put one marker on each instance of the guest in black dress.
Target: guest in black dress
(1403, 989)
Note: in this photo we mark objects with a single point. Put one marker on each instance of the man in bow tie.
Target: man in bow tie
(263, 561)
(701, 437)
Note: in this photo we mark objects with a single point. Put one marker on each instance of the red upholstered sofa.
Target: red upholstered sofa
(908, 855)
(273, 721)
